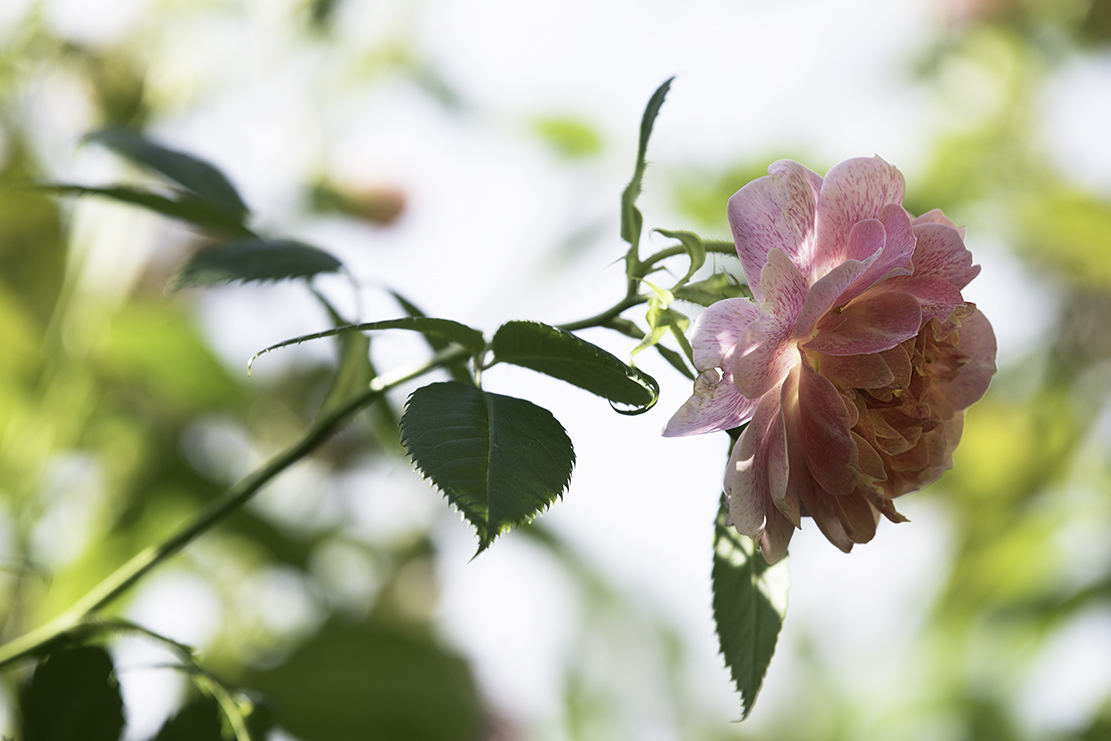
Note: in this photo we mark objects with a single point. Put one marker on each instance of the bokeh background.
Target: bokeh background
(469, 155)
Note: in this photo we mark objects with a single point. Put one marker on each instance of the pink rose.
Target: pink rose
(853, 365)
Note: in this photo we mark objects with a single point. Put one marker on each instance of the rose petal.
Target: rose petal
(828, 447)
(821, 506)
(776, 211)
(822, 294)
(872, 323)
(715, 405)
(895, 257)
(777, 534)
(977, 340)
(857, 515)
(940, 253)
(762, 442)
(937, 217)
(856, 371)
(784, 287)
(718, 328)
(855, 190)
(763, 357)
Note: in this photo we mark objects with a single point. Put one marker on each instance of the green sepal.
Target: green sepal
(560, 354)
(750, 602)
(717, 287)
(498, 459)
(253, 259)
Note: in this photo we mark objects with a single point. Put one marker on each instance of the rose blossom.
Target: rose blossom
(855, 362)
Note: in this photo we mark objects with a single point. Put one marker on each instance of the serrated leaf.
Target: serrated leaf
(717, 287)
(692, 243)
(631, 219)
(72, 696)
(253, 259)
(185, 208)
(445, 329)
(750, 602)
(500, 460)
(198, 177)
(562, 355)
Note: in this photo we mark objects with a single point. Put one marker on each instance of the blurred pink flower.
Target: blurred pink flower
(854, 363)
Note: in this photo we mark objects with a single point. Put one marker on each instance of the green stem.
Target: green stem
(603, 319)
(125, 576)
(720, 247)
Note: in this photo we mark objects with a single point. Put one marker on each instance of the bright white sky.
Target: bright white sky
(489, 207)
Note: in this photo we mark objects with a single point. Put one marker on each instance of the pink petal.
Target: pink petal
(749, 478)
(872, 323)
(830, 451)
(718, 328)
(777, 534)
(895, 258)
(784, 287)
(763, 356)
(855, 190)
(772, 212)
(937, 217)
(716, 405)
(857, 371)
(822, 295)
(978, 341)
(940, 253)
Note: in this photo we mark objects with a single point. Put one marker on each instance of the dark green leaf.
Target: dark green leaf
(676, 360)
(353, 372)
(185, 208)
(72, 696)
(373, 681)
(499, 459)
(562, 355)
(750, 601)
(631, 219)
(692, 243)
(446, 329)
(253, 259)
(198, 177)
(197, 721)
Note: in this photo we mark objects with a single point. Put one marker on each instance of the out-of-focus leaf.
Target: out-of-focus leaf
(375, 680)
(445, 329)
(499, 459)
(253, 259)
(198, 177)
(32, 248)
(160, 347)
(631, 219)
(701, 196)
(197, 721)
(750, 601)
(1067, 233)
(562, 355)
(185, 208)
(570, 137)
(72, 696)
